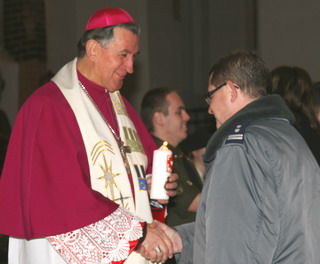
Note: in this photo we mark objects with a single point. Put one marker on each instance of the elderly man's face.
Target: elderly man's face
(116, 60)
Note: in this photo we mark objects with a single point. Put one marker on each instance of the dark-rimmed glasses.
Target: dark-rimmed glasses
(208, 95)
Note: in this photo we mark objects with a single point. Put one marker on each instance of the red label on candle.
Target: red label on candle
(169, 163)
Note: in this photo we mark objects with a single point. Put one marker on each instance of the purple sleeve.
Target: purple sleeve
(45, 185)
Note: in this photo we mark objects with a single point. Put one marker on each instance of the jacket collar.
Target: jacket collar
(267, 107)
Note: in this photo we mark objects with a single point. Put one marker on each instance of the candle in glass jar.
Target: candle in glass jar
(161, 170)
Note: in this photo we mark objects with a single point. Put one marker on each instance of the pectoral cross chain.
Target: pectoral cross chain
(124, 150)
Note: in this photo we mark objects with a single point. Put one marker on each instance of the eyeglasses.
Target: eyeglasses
(208, 95)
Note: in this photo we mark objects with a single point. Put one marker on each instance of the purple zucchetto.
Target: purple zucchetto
(108, 17)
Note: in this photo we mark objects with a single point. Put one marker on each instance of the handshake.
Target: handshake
(160, 243)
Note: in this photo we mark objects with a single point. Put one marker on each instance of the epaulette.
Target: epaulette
(236, 135)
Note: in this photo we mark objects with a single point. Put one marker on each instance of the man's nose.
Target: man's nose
(186, 116)
(129, 64)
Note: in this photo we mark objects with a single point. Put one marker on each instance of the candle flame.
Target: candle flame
(164, 146)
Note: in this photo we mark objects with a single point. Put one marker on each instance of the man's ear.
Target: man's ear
(234, 90)
(92, 47)
(158, 119)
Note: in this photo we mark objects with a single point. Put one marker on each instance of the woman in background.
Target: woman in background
(317, 100)
(295, 86)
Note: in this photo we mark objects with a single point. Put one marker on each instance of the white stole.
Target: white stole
(107, 170)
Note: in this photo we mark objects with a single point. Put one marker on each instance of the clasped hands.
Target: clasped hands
(160, 243)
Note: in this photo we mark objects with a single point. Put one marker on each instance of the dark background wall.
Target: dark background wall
(180, 41)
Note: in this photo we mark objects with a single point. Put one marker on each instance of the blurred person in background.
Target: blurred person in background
(164, 114)
(195, 146)
(317, 100)
(295, 86)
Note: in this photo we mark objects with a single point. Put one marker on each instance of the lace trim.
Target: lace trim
(102, 242)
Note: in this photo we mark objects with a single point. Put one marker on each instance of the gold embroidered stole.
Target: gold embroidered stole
(107, 171)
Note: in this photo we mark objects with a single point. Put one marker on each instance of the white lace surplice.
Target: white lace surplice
(102, 242)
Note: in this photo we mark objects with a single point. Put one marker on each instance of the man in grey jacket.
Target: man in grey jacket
(261, 199)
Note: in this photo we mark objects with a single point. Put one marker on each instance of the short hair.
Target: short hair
(103, 35)
(152, 102)
(245, 69)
